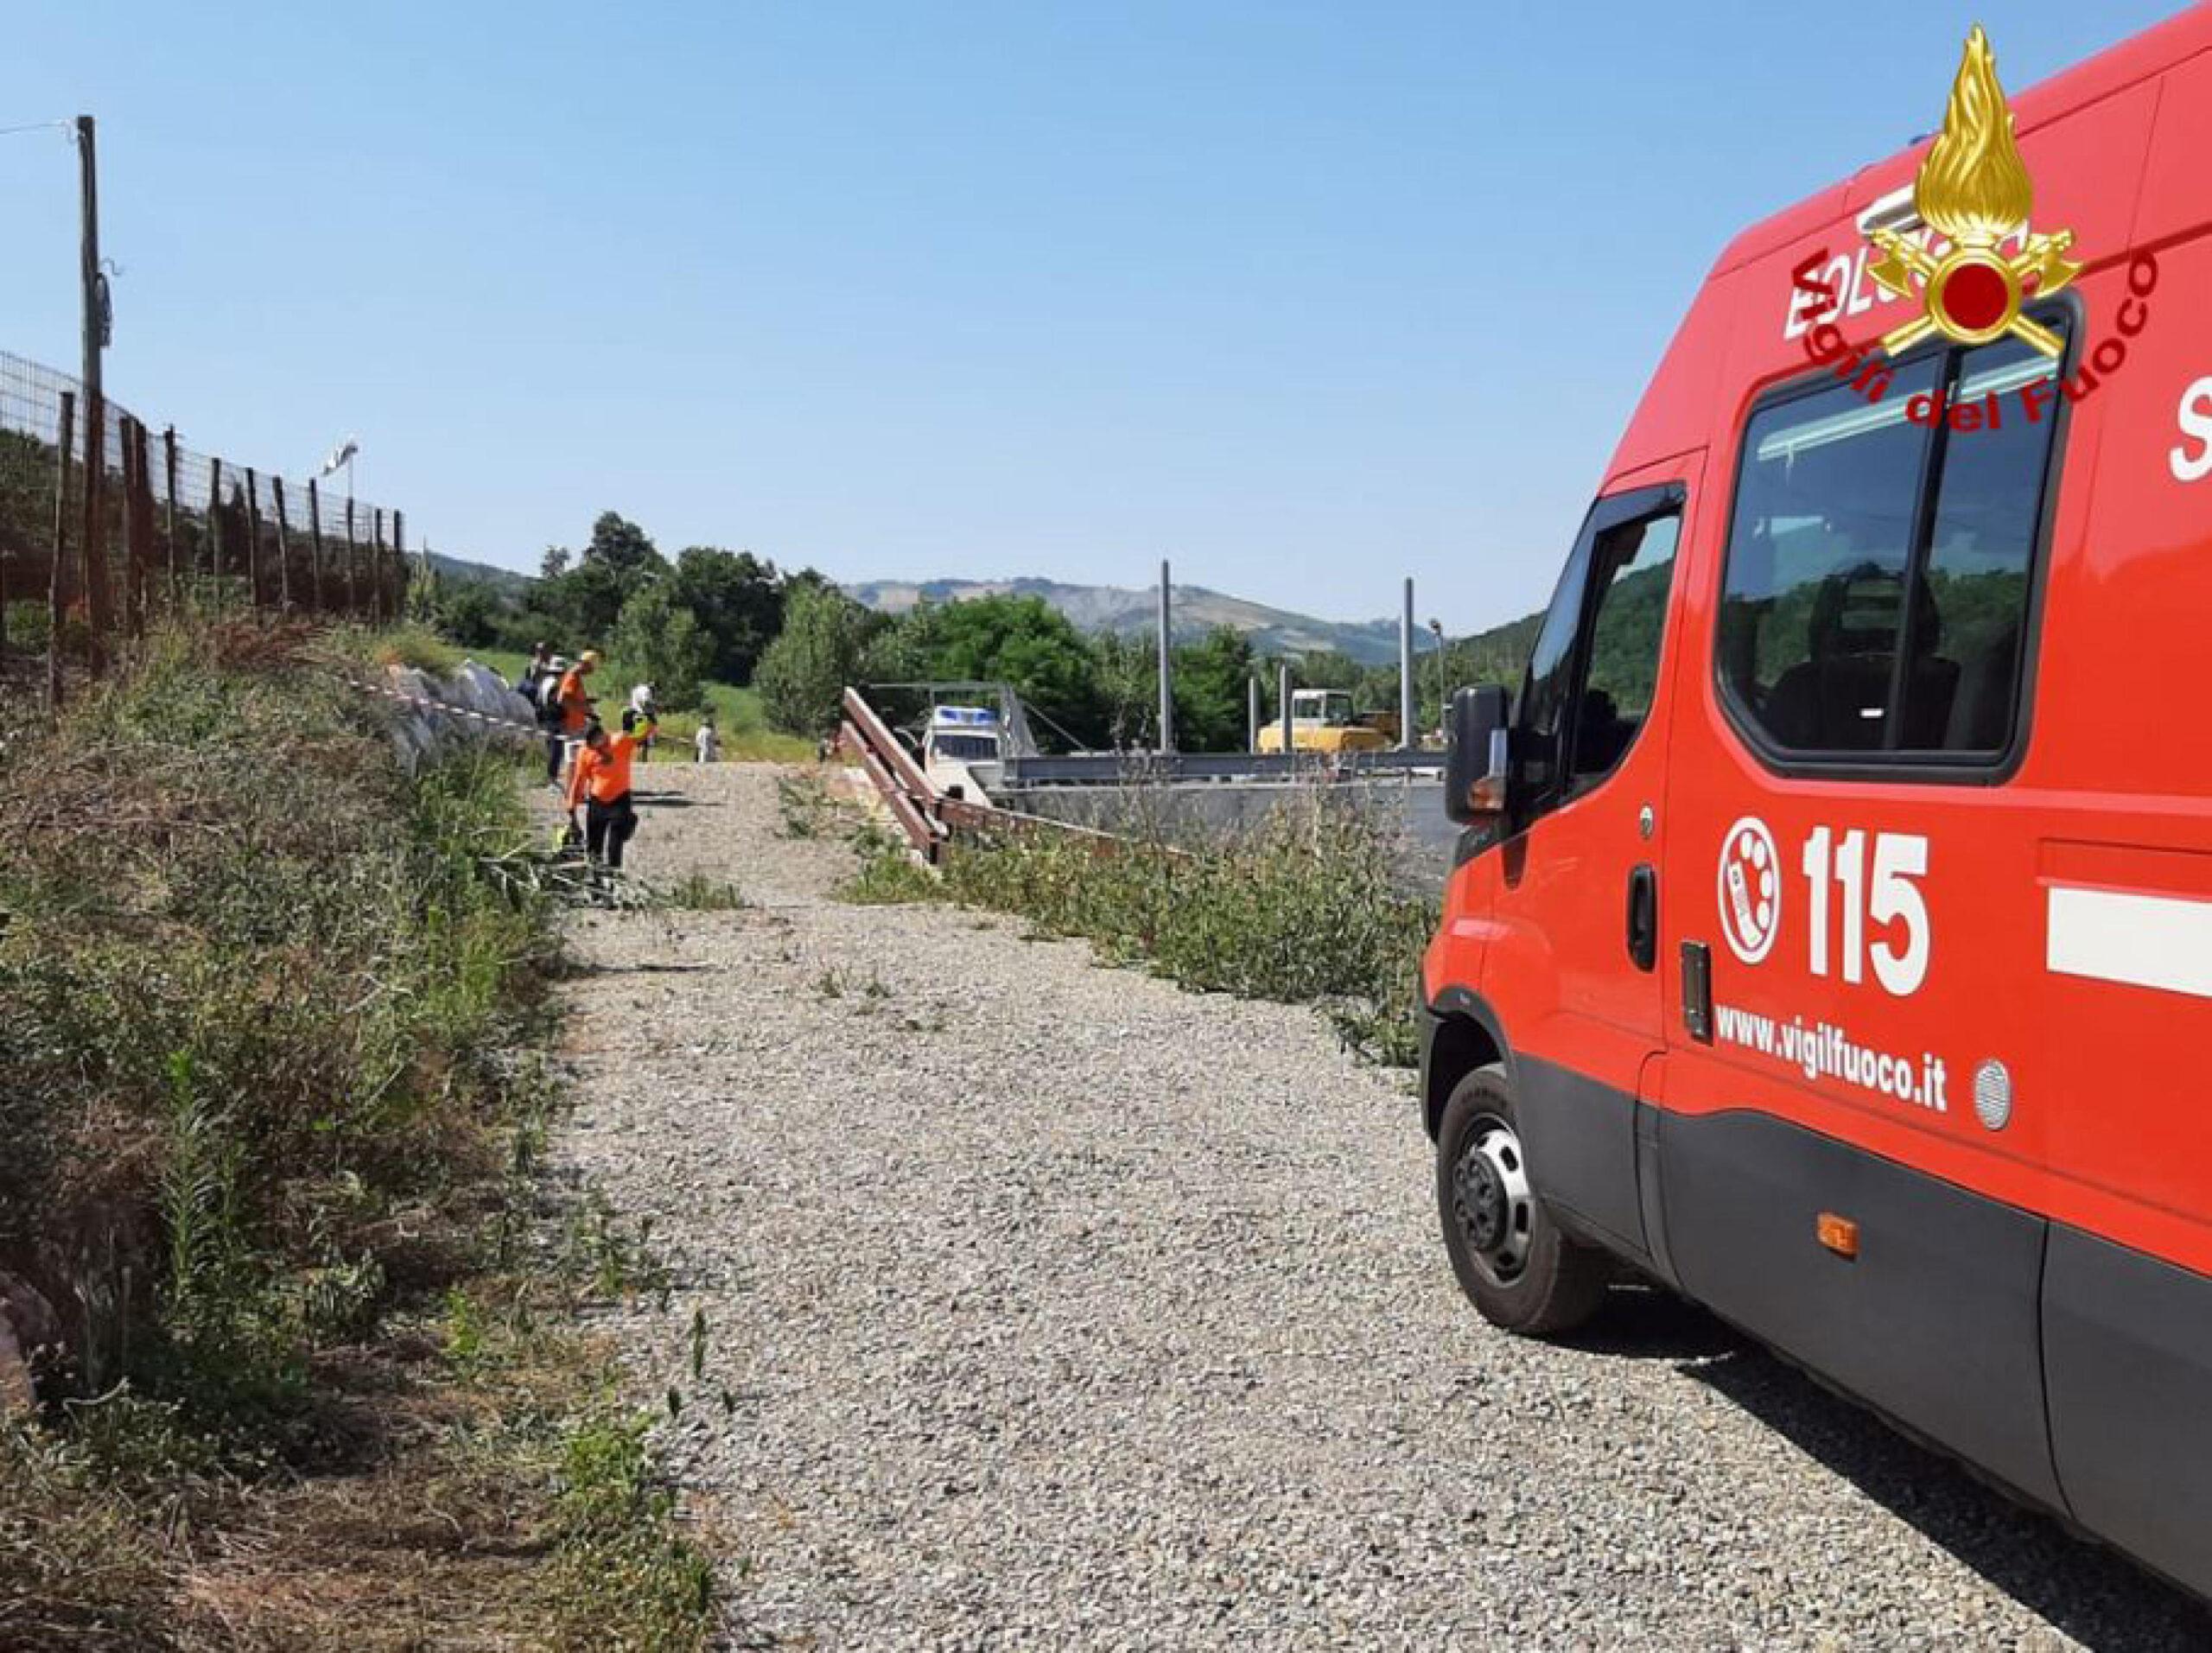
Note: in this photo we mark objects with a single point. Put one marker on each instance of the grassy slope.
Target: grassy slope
(275, 1168)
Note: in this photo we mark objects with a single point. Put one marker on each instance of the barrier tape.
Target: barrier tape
(449, 710)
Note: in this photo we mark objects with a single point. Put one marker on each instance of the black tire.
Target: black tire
(1529, 1278)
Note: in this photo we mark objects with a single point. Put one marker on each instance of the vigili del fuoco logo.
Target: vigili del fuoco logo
(1971, 264)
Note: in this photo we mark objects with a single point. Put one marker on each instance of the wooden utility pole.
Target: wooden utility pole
(56, 586)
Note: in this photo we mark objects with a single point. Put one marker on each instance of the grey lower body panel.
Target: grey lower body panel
(1935, 1322)
(1580, 1136)
(2127, 1353)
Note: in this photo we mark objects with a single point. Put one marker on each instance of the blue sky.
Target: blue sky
(1306, 297)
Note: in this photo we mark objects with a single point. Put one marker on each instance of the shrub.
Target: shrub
(261, 961)
(1303, 908)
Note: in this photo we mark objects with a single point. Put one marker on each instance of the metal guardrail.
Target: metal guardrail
(1094, 768)
(930, 819)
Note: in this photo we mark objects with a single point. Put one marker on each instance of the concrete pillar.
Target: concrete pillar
(1251, 714)
(1282, 690)
(1405, 672)
(1167, 681)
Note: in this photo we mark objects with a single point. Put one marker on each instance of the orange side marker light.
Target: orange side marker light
(1838, 1234)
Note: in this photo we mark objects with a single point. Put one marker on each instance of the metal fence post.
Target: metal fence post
(168, 474)
(283, 547)
(99, 610)
(57, 581)
(314, 546)
(352, 562)
(132, 618)
(215, 530)
(252, 538)
(381, 583)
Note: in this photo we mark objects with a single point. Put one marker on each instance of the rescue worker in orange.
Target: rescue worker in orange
(575, 703)
(599, 783)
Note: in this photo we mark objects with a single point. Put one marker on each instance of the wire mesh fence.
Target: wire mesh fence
(106, 523)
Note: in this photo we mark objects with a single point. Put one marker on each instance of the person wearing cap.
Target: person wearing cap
(598, 783)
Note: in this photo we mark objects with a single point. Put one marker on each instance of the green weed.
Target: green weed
(698, 893)
(1303, 908)
(889, 875)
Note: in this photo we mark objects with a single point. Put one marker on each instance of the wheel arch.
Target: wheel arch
(1463, 1035)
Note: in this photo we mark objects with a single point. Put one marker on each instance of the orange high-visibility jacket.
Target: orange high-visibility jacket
(576, 705)
(601, 774)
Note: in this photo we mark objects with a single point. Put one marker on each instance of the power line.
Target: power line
(35, 126)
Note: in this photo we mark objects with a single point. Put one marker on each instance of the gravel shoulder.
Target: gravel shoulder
(1055, 1306)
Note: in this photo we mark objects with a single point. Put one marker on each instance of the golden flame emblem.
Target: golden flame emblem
(1975, 189)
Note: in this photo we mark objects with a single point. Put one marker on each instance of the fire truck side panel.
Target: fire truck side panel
(1941, 1130)
(2123, 920)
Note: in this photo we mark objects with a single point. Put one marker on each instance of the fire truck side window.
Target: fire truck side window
(1633, 570)
(1877, 575)
(1541, 724)
(1596, 661)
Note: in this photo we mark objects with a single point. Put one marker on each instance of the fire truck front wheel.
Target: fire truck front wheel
(1511, 1259)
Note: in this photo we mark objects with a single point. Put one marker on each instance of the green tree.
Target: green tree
(587, 595)
(468, 611)
(659, 639)
(1126, 666)
(1026, 642)
(618, 543)
(738, 600)
(802, 674)
(1209, 688)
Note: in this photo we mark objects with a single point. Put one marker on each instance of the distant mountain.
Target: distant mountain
(505, 582)
(1121, 608)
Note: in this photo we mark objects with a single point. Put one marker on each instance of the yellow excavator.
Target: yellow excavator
(1322, 719)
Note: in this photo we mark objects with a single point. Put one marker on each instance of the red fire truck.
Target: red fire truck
(1830, 937)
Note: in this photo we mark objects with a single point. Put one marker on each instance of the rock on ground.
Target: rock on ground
(1048, 1304)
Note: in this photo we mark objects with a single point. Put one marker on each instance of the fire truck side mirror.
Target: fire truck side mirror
(1475, 762)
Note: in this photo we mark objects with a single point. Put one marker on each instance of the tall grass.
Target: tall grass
(1304, 907)
(260, 987)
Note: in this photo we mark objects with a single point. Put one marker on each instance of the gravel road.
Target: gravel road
(1057, 1306)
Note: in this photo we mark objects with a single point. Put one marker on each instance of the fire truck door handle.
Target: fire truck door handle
(1643, 917)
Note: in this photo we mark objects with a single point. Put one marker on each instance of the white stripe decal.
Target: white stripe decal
(2160, 941)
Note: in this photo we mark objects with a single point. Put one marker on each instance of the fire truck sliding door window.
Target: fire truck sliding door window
(1825, 515)
(1982, 553)
(1878, 569)
(1635, 564)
